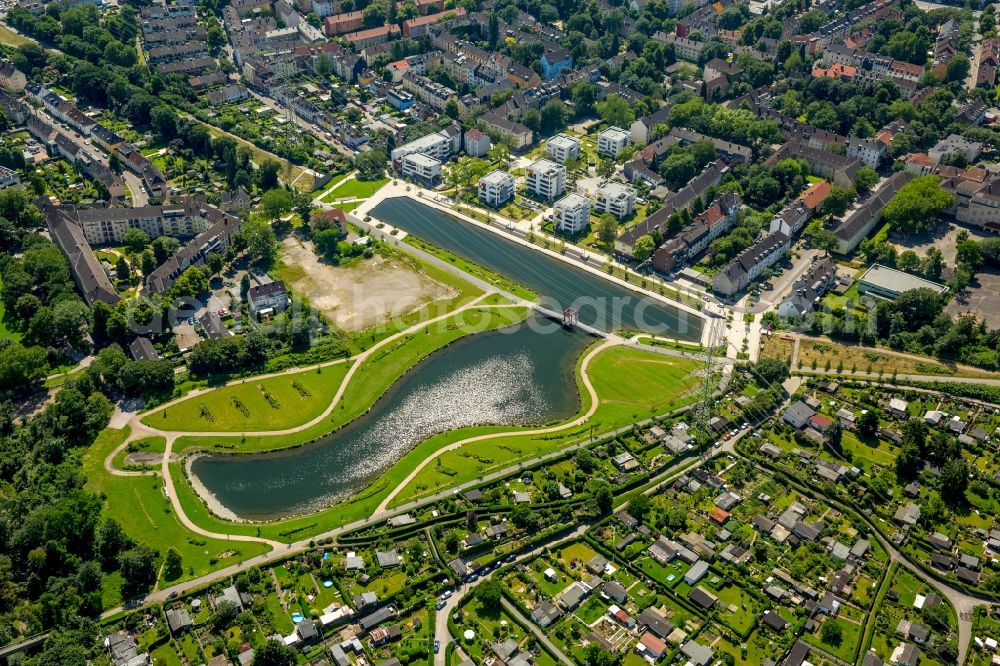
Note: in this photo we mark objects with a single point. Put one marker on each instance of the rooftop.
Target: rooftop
(891, 280)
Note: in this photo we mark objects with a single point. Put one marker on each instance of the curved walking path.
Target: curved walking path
(140, 430)
(356, 362)
(595, 402)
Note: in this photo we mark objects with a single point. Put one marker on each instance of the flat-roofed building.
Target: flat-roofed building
(885, 282)
(617, 199)
(496, 188)
(573, 213)
(545, 179)
(422, 168)
(561, 148)
(612, 141)
(438, 145)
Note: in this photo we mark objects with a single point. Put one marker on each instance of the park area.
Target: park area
(353, 188)
(140, 506)
(256, 405)
(631, 385)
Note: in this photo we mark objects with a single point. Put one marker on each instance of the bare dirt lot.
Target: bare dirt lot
(944, 237)
(980, 299)
(360, 296)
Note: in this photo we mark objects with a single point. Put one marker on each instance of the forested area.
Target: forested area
(56, 548)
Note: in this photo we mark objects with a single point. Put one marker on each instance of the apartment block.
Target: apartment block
(572, 213)
(561, 148)
(496, 188)
(612, 141)
(422, 168)
(617, 199)
(546, 179)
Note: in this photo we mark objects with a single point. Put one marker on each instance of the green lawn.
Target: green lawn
(850, 636)
(619, 375)
(165, 655)
(355, 189)
(139, 505)
(146, 445)
(249, 405)
(373, 378)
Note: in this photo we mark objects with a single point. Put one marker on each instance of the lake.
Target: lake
(521, 375)
(601, 303)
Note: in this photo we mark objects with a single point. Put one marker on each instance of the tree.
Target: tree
(643, 248)
(678, 169)
(598, 656)
(585, 461)
(954, 481)
(274, 653)
(584, 95)
(915, 208)
(552, 116)
(600, 490)
(138, 570)
(223, 616)
(276, 202)
(832, 632)
(164, 247)
(370, 164)
(865, 179)
(638, 506)
(21, 367)
(771, 370)
(607, 229)
(122, 271)
(489, 593)
(837, 201)
(164, 122)
(173, 564)
(868, 424)
(615, 111)
(261, 242)
(970, 254)
(136, 239)
(267, 174)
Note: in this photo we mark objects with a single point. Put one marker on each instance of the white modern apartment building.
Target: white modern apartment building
(546, 179)
(496, 188)
(617, 199)
(422, 168)
(439, 145)
(612, 141)
(572, 213)
(561, 148)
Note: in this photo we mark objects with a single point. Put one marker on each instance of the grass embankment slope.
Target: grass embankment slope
(631, 385)
(250, 404)
(485, 274)
(354, 189)
(143, 511)
(374, 377)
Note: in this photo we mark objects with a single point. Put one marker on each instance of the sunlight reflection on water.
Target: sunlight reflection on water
(522, 378)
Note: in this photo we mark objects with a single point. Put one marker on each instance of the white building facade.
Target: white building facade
(561, 148)
(496, 188)
(617, 199)
(572, 213)
(612, 141)
(545, 179)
